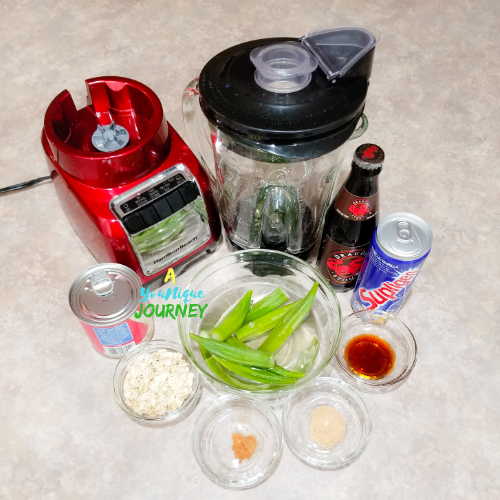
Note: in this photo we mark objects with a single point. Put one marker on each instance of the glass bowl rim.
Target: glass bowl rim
(255, 403)
(379, 383)
(139, 349)
(327, 382)
(264, 392)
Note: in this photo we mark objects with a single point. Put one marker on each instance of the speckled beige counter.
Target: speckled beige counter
(433, 106)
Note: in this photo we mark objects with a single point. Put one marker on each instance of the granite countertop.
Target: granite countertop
(433, 105)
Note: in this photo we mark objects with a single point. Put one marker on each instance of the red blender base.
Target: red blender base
(87, 180)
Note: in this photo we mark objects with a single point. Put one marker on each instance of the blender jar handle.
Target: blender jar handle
(195, 130)
(361, 129)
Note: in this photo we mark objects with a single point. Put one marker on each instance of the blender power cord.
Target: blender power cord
(24, 185)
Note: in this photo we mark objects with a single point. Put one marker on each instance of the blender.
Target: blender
(129, 185)
(268, 119)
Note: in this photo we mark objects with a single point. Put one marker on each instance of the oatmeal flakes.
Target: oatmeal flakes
(157, 383)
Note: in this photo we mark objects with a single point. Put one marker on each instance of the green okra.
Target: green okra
(286, 373)
(255, 374)
(275, 369)
(267, 304)
(233, 320)
(242, 355)
(221, 373)
(234, 341)
(290, 322)
(205, 352)
(254, 329)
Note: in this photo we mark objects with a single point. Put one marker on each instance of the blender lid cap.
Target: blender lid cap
(283, 67)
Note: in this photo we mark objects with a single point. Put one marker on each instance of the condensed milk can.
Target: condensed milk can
(105, 298)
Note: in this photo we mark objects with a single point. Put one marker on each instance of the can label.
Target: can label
(341, 265)
(384, 282)
(118, 339)
(119, 350)
(114, 335)
(354, 207)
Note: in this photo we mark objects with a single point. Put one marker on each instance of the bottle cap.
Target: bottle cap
(369, 156)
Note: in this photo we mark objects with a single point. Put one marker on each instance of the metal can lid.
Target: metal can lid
(404, 236)
(369, 156)
(105, 295)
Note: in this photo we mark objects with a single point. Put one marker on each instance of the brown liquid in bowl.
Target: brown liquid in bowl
(369, 356)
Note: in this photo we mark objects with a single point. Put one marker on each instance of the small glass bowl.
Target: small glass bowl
(296, 421)
(212, 441)
(171, 417)
(389, 328)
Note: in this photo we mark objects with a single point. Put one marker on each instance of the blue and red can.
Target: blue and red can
(398, 249)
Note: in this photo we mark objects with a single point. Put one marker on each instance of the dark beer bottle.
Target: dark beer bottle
(351, 220)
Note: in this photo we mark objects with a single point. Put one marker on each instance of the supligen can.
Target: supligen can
(105, 298)
(398, 249)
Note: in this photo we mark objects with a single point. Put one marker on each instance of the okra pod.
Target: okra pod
(205, 352)
(286, 373)
(253, 329)
(242, 355)
(220, 372)
(290, 322)
(233, 320)
(267, 304)
(275, 369)
(234, 341)
(255, 374)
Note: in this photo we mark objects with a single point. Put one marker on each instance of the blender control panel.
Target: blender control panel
(156, 199)
(164, 217)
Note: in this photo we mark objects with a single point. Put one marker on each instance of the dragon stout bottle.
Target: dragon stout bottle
(351, 220)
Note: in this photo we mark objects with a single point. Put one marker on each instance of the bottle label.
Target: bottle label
(341, 264)
(355, 207)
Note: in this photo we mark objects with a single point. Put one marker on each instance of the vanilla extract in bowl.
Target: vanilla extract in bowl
(369, 356)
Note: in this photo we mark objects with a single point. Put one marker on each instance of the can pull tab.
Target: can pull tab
(404, 230)
(102, 285)
(407, 241)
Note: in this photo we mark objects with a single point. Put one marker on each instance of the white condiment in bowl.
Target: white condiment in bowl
(156, 384)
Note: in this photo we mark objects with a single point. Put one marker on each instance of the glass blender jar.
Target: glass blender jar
(270, 126)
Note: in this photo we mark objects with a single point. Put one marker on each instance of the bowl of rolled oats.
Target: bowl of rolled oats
(155, 383)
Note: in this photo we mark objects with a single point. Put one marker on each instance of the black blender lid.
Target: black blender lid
(306, 123)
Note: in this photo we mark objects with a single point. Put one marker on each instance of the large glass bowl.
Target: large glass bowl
(226, 280)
